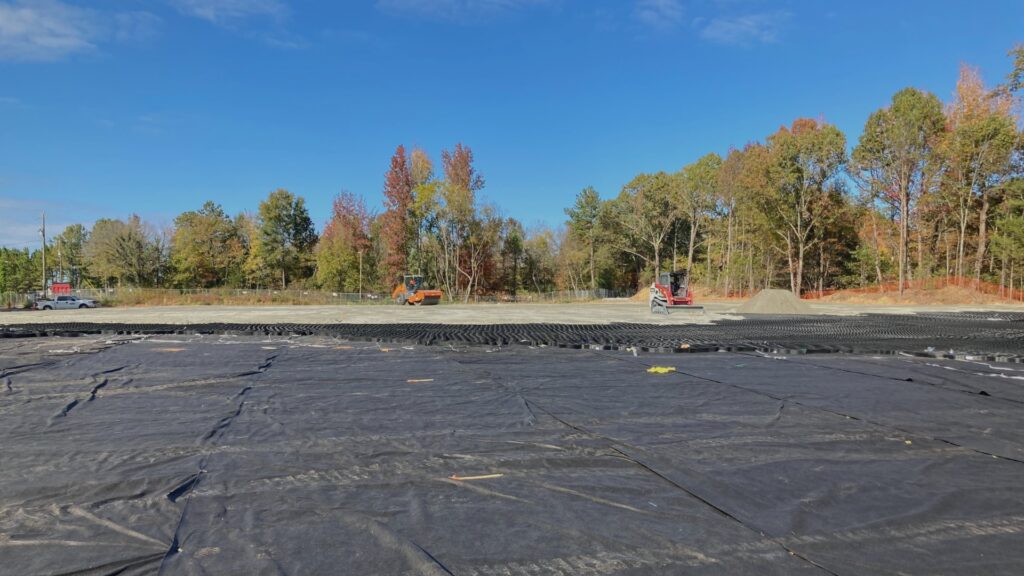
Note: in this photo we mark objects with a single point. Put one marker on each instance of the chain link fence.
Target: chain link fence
(13, 300)
(556, 296)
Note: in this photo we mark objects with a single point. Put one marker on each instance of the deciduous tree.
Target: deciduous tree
(343, 255)
(696, 196)
(891, 160)
(977, 151)
(806, 161)
(70, 244)
(459, 239)
(206, 248)
(125, 252)
(286, 237)
(643, 214)
(398, 226)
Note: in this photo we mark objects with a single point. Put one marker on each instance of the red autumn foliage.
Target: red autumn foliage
(350, 222)
(395, 221)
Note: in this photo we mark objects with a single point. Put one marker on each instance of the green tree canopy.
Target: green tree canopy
(286, 238)
(343, 256)
(642, 215)
(696, 196)
(124, 252)
(583, 225)
(206, 248)
(70, 246)
(891, 160)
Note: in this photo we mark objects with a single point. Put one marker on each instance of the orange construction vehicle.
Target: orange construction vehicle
(411, 292)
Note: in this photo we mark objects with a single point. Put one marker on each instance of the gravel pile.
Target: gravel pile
(779, 302)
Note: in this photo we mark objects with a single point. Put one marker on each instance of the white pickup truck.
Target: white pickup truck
(64, 303)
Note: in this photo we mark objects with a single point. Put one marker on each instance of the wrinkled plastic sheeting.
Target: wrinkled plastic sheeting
(309, 456)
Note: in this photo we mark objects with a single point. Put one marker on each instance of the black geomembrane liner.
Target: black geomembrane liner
(221, 449)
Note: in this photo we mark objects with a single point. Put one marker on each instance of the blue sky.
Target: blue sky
(113, 107)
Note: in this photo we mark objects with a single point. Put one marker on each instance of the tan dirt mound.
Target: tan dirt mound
(771, 301)
(642, 295)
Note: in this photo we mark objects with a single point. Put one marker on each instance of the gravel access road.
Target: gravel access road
(604, 312)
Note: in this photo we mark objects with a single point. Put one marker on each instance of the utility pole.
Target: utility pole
(360, 275)
(42, 232)
(60, 259)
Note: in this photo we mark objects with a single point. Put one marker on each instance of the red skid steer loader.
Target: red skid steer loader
(671, 290)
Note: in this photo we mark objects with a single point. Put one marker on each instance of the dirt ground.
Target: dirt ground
(607, 311)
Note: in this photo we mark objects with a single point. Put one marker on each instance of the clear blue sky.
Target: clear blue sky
(111, 107)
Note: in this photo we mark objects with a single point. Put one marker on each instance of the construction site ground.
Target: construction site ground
(512, 440)
(219, 454)
(600, 312)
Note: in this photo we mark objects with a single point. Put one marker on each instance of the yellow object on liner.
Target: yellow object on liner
(661, 369)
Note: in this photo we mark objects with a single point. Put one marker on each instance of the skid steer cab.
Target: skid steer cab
(411, 291)
(670, 291)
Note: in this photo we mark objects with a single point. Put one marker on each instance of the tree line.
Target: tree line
(929, 189)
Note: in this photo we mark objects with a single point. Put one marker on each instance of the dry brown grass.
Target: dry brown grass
(949, 295)
(225, 298)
